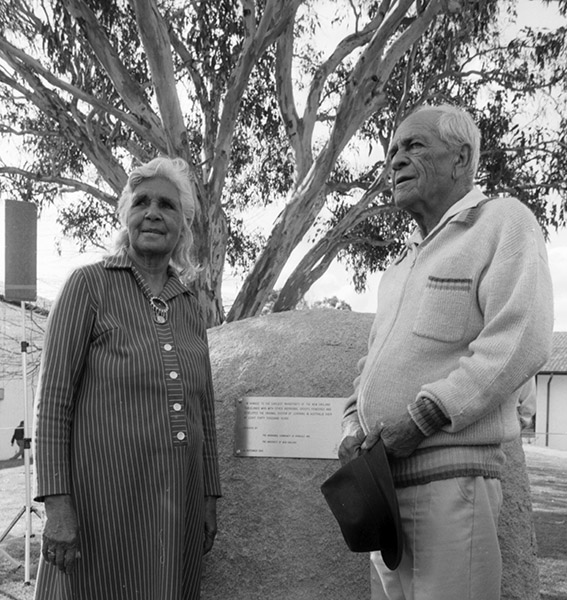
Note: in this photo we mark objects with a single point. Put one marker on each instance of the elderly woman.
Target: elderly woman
(125, 443)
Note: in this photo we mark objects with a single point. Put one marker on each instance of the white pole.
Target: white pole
(27, 449)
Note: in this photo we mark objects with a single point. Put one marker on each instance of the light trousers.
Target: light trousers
(451, 549)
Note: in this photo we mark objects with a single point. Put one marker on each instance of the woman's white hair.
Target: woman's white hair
(456, 127)
(176, 171)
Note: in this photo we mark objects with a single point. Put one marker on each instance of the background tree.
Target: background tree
(91, 87)
(332, 302)
(463, 61)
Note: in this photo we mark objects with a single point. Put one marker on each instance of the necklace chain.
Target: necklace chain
(159, 305)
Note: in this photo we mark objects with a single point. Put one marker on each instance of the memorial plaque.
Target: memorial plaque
(288, 427)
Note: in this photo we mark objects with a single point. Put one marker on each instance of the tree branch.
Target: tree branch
(293, 125)
(156, 42)
(24, 64)
(75, 185)
(126, 86)
(364, 90)
(277, 14)
(196, 77)
(320, 256)
(344, 49)
(70, 123)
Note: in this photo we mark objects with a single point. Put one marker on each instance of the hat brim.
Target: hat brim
(376, 458)
(362, 497)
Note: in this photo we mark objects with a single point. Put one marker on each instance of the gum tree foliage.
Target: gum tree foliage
(461, 61)
(89, 88)
(332, 302)
(94, 87)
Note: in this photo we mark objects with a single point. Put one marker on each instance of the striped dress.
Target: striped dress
(125, 424)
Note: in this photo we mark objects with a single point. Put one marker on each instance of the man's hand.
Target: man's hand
(350, 447)
(400, 438)
(210, 523)
(61, 533)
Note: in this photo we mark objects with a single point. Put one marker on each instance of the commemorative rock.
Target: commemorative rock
(277, 538)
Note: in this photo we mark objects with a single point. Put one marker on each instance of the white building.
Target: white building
(551, 411)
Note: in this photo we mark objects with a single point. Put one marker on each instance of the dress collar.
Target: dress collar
(173, 287)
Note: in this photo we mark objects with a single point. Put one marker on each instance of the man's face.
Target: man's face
(422, 164)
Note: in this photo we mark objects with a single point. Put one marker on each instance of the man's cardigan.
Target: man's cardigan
(464, 319)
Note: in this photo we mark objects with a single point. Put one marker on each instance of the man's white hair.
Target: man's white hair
(456, 127)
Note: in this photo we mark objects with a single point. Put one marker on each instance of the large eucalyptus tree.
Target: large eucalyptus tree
(262, 114)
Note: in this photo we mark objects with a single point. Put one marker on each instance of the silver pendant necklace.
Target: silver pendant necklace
(160, 308)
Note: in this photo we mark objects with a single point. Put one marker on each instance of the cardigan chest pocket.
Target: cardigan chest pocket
(444, 309)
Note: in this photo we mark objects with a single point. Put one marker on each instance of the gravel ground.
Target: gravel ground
(547, 471)
(12, 549)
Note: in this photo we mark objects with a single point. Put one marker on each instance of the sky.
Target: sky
(53, 268)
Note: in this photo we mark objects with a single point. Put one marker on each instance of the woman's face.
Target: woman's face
(155, 218)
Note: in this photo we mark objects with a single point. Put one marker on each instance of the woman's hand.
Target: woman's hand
(210, 523)
(61, 533)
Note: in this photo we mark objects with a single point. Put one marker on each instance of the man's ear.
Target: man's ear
(462, 161)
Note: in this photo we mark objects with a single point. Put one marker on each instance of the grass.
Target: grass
(547, 470)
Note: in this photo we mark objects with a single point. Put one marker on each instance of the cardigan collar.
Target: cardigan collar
(463, 211)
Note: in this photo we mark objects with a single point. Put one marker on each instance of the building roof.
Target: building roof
(557, 362)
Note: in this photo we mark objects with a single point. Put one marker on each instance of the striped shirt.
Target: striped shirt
(125, 424)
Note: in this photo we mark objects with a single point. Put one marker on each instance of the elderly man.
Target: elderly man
(464, 320)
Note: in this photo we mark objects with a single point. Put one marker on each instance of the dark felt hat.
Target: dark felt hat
(361, 495)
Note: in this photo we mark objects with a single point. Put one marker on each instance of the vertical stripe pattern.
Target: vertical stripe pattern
(125, 424)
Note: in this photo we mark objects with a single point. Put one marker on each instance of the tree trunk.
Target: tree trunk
(319, 258)
(312, 266)
(364, 94)
(294, 222)
(210, 238)
(208, 294)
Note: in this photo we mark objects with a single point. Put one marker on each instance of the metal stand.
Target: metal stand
(27, 509)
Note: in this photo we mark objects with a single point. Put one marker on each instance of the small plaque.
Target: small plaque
(288, 427)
